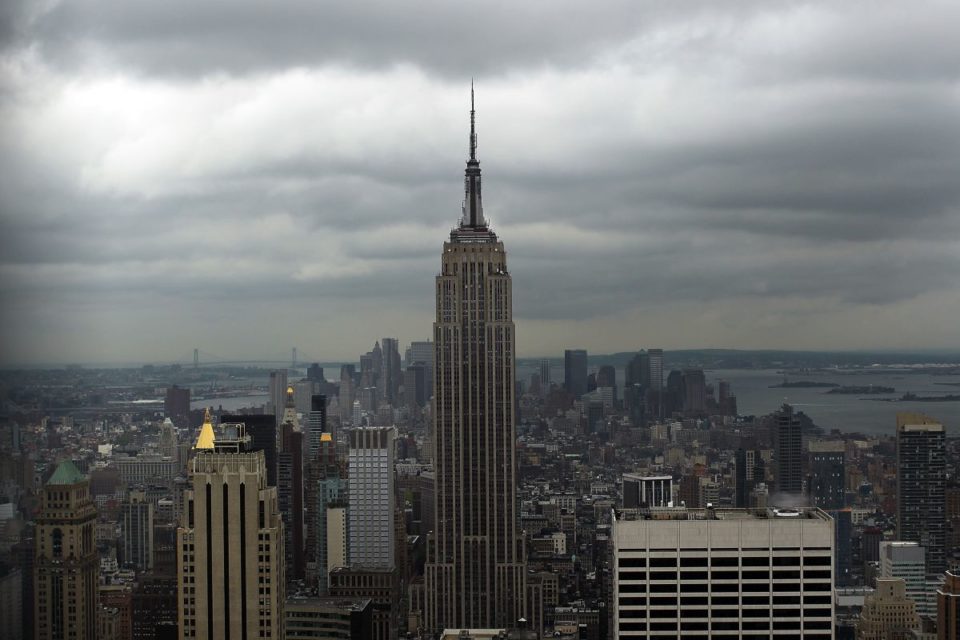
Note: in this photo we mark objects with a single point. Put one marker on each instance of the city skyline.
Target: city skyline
(745, 177)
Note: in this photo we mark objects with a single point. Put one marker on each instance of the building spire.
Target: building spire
(472, 204)
(473, 127)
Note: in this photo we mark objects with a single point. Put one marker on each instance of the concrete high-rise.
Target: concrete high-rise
(921, 475)
(888, 612)
(788, 451)
(66, 564)
(575, 372)
(278, 394)
(230, 568)
(370, 486)
(176, 406)
(906, 560)
(723, 573)
(475, 572)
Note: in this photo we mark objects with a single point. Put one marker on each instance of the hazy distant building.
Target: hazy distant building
(176, 406)
(749, 471)
(278, 394)
(788, 451)
(315, 373)
(67, 564)
(370, 483)
(921, 475)
(391, 376)
(230, 569)
(475, 571)
(694, 391)
(575, 372)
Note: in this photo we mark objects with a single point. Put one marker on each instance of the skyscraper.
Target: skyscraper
(290, 488)
(176, 406)
(475, 573)
(278, 394)
(390, 370)
(575, 372)
(67, 564)
(921, 474)
(136, 528)
(316, 423)
(230, 572)
(826, 486)
(788, 447)
(372, 500)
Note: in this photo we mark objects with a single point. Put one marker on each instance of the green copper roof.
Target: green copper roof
(66, 473)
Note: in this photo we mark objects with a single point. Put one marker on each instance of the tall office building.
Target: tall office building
(475, 572)
(278, 394)
(66, 564)
(694, 391)
(788, 449)
(390, 376)
(327, 513)
(575, 372)
(230, 573)
(921, 474)
(907, 561)
(750, 472)
(11, 602)
(827, 484)
(136, 531)
(372, 498)
(723, 573)
(290, 488)
(261, 429)
(656, 381)
(176, 406)
(544, 374)
(316, 423)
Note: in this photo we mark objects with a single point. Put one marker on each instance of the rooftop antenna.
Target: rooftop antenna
(473, 131)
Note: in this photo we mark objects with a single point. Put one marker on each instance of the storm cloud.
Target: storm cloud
(245, 177)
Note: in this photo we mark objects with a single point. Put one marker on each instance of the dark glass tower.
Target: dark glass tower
(921, 498)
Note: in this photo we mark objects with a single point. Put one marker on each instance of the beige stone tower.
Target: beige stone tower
(67, 563)
(230, 573)
(888, 612)
(475, 569)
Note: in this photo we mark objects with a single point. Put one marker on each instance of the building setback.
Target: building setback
(475, 572)
(230, 572)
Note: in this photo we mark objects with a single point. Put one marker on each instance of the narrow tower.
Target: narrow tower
(475, 566)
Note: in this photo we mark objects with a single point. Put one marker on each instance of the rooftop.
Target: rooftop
(683, 513)
(66, 473)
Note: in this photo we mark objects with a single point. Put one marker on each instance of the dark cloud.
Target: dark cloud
(193, 170)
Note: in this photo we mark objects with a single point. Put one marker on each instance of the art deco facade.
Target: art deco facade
(66, 564)
(230, 572)
(475, 567)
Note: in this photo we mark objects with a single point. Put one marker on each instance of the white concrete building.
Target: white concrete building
(371, 496)
(724, 573)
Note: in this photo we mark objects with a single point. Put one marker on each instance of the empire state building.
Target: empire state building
(475, 573)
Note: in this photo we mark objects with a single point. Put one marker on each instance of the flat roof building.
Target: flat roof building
(723, 573)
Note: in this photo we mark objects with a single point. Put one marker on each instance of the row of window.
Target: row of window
(745, 561)
(745, 600)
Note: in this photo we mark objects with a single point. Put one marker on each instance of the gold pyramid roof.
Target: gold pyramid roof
(205, 441)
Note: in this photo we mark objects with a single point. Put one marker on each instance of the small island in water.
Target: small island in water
(803, 384)
(868, 390)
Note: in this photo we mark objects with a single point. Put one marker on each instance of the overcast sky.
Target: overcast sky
(245, 176)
